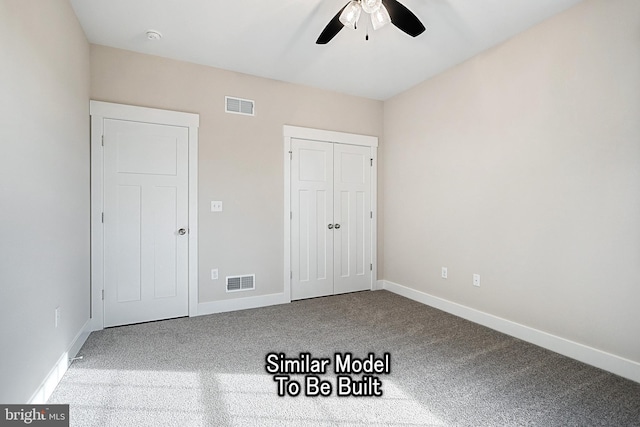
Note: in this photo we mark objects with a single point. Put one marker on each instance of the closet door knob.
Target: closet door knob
(330, 226)
(337, 226)
(182, 232)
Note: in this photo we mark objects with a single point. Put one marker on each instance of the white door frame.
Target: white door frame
(100, 111)
(296, 132)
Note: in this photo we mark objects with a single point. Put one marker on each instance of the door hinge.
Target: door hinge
(371, 214)
(291, 275)
(103, 140)
(290, 155)
(102, 217)
(291, 215)
(370, 267)
(371, 162)
(103, 295)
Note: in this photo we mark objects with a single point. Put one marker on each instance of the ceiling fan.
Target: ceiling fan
(382, 12)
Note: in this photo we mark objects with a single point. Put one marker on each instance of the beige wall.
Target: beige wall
(523, 165)
(44, 189)
(240, 159)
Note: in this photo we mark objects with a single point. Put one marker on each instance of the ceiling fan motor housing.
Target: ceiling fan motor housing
(370, 6)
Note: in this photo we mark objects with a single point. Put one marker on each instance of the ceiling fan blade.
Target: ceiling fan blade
(333, 27)
(403, 18)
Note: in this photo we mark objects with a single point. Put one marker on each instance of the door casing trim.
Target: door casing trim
(100, 111)
(296, 132)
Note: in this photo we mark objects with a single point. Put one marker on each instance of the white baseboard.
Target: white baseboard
(609, 362)
(378, 285)
(52, 379)
(223, 306)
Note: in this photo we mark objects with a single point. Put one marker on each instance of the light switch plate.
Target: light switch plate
(216, 206)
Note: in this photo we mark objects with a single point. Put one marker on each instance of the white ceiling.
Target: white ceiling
(276, 39)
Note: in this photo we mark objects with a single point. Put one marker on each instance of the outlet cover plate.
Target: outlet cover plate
(476, 280)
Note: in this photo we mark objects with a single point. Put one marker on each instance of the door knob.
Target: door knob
(337, 226)
(330, 226)
(182, 232)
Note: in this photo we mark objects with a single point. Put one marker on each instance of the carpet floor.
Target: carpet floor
(444, 371)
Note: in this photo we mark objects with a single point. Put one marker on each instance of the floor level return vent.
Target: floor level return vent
(241, 283)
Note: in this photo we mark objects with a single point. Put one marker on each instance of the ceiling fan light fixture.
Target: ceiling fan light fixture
(380, 17)
(351, 14)
(371, 6)
(396, 14)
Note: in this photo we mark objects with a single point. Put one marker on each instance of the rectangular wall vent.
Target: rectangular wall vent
(241, 283)
(239, 106)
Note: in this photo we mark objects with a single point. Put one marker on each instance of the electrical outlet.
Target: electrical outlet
(214, 274)
(444, 272)
(57, 317)
(216, 206)
(476, 280)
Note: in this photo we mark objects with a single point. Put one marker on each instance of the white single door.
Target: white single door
(330, 218)
(145, 222)
(352, 218)
(312, 219)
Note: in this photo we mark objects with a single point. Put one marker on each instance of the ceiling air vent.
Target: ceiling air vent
(239, 106)
(241, 283)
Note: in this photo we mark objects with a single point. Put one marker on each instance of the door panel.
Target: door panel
(146, 203)
(128, 285)
(165, 242)
(352, 189)
(360, 242)
(342, 238)
(312, 205)
(146, 153)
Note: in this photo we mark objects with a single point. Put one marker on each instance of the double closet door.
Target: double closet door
(331, 218)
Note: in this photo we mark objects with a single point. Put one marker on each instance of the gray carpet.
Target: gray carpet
(445, 371)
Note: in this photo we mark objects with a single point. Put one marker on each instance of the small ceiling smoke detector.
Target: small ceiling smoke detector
(153, 35)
